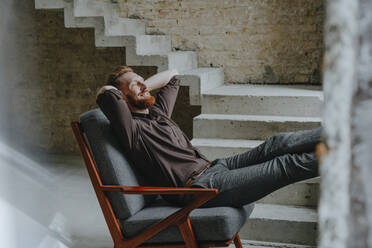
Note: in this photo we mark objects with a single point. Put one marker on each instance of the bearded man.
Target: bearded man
(163, 154)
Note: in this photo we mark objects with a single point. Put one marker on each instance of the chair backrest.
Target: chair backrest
(112, 165)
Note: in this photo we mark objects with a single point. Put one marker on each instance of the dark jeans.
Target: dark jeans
(241, 179)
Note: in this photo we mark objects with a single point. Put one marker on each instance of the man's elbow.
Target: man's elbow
(171, 74)
(174, 72)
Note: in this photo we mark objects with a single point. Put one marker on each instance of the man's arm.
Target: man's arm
(110, 101)
(160, 79)
(166, 97)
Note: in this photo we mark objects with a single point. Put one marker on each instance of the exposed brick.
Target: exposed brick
(51, 75)
(277, 33)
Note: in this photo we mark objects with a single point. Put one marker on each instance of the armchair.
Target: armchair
(134, 216)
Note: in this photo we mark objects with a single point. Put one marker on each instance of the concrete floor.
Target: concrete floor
(55, 199)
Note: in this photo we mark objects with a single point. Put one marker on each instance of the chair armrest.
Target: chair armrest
(158, 190)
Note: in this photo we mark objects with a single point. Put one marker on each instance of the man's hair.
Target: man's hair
(113, 76)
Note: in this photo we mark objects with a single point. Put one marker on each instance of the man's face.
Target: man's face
(135, 91)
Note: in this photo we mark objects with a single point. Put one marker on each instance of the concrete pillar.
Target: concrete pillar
(345, 210)
(360, 188)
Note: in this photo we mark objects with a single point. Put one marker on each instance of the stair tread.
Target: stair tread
(124, 20)
(258, 118)
(284, 213)
(266, 90)
(149, 36)
(201, 70)
(49, 4)
(180, 52)
(264, 244)
(225, 142)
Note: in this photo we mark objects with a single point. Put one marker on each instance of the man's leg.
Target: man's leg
(245, 185)
(277, 145)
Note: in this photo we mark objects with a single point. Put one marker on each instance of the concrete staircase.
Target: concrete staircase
(141, 50)
(234, 118)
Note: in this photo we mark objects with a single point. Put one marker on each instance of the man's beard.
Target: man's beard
(141, 103)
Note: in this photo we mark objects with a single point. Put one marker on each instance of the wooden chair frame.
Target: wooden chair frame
(179, 218)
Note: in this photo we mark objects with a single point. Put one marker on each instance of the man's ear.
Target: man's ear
(122, 89)
(124, 96)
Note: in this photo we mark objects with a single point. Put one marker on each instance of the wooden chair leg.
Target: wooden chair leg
(188, 234)
(237, 242)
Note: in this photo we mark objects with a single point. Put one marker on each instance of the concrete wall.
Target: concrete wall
(49, 75)
(271, 41)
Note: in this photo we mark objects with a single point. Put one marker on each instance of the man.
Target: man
(164, 155)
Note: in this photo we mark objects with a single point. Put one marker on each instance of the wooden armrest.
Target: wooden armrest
(158, 190)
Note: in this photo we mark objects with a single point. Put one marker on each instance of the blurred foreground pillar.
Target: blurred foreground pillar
(345, 209)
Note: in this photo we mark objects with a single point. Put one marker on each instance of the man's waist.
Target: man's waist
(193, 177)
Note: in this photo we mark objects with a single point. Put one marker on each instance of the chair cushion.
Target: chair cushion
(209, 224)
(112, 165)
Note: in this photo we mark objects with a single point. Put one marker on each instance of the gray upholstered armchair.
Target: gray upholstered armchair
(133, 213)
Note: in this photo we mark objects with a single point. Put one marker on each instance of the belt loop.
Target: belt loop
(214, 162)
(192, 178)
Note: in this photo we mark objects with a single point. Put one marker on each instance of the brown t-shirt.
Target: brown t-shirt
(156, 145)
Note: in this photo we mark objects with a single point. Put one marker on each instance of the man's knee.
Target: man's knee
(280, 139)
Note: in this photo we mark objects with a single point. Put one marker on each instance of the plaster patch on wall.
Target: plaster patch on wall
(316, 76)
(186, 45)
(269, 75)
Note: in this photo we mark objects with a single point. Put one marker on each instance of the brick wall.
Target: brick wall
(256, 41)
(49, 76)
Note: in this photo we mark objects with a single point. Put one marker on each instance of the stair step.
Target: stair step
(78, 22)
(211, 77)
(305, 193)
(153, 44)
(201, 78)
(261, 244)
(254, 127)
(240, 143)
(102, 40)
(85, 8)
(276, 223)
(268, 90)
(49, 4)
(264, 100)
(221, 148)
(114, 24)
(182, 60)
(117, 26)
